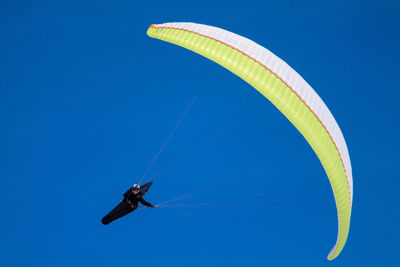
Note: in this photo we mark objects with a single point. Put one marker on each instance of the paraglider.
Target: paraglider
(132, 197)
(287, 90)
(135, 194)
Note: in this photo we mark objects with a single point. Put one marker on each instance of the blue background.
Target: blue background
(87, 100)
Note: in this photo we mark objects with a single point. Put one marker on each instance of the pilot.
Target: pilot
(133, 196)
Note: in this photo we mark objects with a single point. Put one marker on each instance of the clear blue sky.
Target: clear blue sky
(87, 99)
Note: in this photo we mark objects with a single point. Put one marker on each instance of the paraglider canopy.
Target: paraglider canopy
(287, 90)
